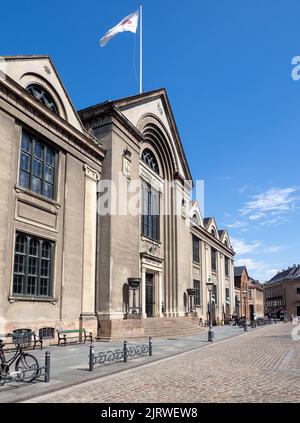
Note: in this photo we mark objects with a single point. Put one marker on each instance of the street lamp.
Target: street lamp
(210, 287)
(245, 302)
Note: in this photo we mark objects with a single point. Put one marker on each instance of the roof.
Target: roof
(238, 270)
(119, 103)
(292, 273)
(206, 221)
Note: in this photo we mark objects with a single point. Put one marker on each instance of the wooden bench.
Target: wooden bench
(44, 333)
(62, 335)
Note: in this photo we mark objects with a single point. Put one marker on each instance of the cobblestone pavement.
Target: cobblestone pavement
(262, 366)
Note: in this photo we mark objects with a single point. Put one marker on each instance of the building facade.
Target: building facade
(282, 292)
(256, 299)
(97, 226)
(49, 169)
(241, 284)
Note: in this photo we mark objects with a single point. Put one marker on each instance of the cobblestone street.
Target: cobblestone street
(260, 366)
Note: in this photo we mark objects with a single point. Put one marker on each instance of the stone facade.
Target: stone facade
(256, 299)
(67, 220)
(83, 256)
(241, 283)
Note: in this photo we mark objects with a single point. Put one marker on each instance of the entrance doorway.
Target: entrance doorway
(298, 310)
(149, 294)
(251, 307)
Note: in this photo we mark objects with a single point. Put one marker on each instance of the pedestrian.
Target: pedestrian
(292, 318)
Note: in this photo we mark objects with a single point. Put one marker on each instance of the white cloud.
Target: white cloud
(274, 201)
(273, 249)
(242, 247)
(257, 269)
(239, 224)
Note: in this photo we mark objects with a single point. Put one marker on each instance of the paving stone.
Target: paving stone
(262, 366)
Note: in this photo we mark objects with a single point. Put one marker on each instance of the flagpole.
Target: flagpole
(141, 49)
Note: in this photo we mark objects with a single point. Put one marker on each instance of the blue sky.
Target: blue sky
(227, 68)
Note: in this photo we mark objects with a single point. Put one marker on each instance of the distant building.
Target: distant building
(256, 299)
(282, 292)
(241, 286)
(248, 294)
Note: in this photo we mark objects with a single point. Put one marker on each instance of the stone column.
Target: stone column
(143, 293)
(88, 319)
(231, 286)
(159, 294)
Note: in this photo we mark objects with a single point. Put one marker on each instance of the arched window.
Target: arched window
(195, 219)
(42, 96)
(150, 160)
(226, 242)
(213, 232)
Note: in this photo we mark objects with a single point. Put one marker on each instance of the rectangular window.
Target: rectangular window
(213, 260)
(37, 166)
(227, 298)
(196, 249)
(197, 292)
(150, 212)
(33, 266)
(214, 298)
(227, 267)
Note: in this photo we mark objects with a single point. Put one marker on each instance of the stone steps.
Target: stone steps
(171, 326)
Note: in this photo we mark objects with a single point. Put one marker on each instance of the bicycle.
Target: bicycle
(27, 366)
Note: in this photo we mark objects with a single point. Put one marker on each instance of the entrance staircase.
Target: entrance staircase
(167, 327)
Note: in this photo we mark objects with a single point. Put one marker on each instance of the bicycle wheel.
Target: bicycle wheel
(29, 366)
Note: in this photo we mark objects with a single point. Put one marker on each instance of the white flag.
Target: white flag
(129, 23)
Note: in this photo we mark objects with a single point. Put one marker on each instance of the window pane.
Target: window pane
(46, 250)
(44, 287)
(25, 162)
(20, 244)
(24, 179)
(36, 185)
(48, 190)
(37, 168)
(33, 266)
(31, 285)
(49, 174)
(38, 150)
(26, 142)
(33, 247)
(19, 264)
(18, 284)
(50, 156)
(45, 268)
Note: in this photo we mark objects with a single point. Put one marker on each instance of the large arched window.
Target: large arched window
(42, 96)
(150, 160)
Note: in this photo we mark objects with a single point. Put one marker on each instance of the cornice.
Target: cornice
(106, 115)
(19, 98)
(208, 238)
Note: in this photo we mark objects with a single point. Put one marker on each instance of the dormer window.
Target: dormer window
(150, 160)
(42, 96)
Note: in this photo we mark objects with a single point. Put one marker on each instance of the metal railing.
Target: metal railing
(119, 355)
(25, 375)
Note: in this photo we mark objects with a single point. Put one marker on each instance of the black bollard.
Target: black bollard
(91, 358)
(47, 367)
(125, 352)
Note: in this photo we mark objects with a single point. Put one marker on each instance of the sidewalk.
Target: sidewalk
(69, 365)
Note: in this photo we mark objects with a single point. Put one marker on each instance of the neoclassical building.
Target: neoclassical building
(98, 229)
